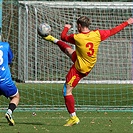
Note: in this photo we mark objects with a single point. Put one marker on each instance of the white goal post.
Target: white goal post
(41, 62)
(64, 4)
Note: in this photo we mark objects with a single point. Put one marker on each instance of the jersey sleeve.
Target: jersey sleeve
(10, 55)
(67, 38)
(107, 33)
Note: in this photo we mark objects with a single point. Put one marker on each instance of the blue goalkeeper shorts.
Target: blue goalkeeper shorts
(8, 89)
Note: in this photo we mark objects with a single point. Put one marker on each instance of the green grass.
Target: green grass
(85, 94)
(52, 122)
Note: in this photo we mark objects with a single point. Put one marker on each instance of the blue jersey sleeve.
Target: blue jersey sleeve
(10, 55)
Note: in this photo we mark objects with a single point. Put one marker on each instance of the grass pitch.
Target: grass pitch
(52, 122)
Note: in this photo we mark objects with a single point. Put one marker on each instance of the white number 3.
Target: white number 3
(1, 57)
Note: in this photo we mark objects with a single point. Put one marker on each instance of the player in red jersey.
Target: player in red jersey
(84, 56)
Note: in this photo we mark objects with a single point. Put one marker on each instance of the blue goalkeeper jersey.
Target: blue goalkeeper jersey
(6, 57)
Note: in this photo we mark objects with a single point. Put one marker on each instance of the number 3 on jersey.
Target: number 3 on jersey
(1, 57)
(91, 49)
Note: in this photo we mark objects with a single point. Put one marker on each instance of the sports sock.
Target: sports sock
(73, 114)
(56, 40)
(11, 108)
(69, 102)
(9, 111)
(62, 45)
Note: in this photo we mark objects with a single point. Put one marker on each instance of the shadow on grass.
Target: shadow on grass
(27, 123)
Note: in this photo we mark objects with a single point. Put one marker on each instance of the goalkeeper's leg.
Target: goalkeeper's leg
(62, 45)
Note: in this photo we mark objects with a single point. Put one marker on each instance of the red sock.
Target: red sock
(69, 101)
(62, 45)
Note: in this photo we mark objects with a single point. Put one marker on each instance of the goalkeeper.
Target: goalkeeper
(84, 56)
(7, 86)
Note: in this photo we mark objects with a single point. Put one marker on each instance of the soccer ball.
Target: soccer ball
(44, 29)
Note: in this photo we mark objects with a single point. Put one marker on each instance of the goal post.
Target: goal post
(40, 66)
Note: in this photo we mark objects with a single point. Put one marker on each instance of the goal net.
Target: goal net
(115, 54)
(41, 67)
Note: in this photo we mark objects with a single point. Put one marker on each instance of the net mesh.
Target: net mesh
(41, 62)
(115, 54)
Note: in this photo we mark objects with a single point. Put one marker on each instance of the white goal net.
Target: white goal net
(42, 62)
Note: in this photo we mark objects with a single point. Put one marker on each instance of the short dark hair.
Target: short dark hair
(83, 21)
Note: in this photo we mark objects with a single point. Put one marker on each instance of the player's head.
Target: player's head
(83, 22)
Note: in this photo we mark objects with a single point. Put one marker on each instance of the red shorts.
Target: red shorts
(74, 76)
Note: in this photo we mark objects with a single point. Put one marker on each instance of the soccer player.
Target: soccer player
(84, 56)
(7, 86)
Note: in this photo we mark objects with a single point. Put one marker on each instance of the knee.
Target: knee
(17, 96)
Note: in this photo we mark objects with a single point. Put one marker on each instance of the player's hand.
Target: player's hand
(130, 21)
(68, 26)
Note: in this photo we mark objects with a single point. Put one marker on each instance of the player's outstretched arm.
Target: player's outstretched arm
(115, 30)
(130, 21)
(120, 27)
